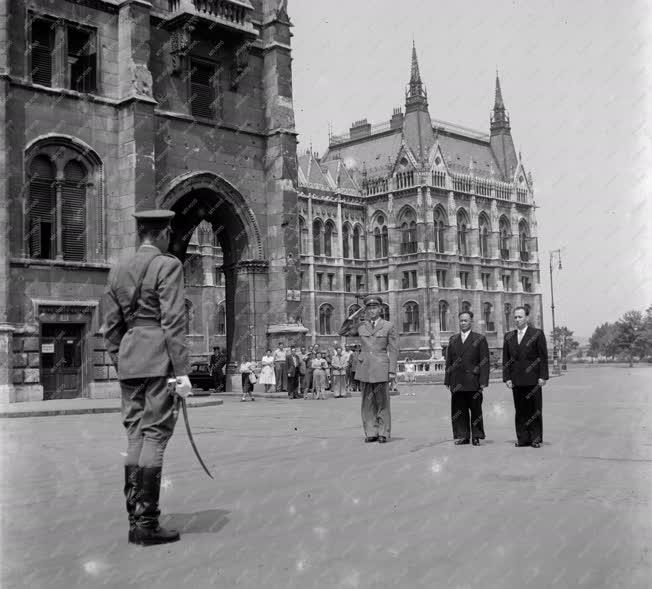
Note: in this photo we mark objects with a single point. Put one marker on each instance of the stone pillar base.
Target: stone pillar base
(291, 334)
(104, 390)
(28, 392)
(7, 393)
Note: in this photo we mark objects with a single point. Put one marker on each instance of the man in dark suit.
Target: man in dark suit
(467, 374)
(525, 371)
(292, 365)
(144, 328)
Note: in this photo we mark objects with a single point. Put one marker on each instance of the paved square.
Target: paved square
(299, 501)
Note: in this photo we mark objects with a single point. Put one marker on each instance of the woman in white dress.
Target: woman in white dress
(267, 371)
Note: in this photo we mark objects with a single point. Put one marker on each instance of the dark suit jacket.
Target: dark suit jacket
(467, 364)
(526, 363)
(292, 370)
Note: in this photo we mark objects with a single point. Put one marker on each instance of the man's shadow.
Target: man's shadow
(209, 521)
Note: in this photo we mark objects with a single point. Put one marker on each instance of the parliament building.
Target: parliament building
(113, 106)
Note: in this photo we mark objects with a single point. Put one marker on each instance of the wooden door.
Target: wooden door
(61, 360)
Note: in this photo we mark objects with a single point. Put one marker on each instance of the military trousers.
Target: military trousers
(376, 416)
(149, 414)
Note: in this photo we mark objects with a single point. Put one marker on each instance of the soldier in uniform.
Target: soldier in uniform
(377, 366)
(144, 329)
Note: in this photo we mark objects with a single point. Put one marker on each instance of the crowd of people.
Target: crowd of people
(305, 372)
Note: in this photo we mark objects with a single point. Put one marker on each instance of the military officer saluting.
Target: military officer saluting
(144, 329)
(377, 366)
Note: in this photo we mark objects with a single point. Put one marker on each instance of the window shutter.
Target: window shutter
(73, 212)
(41, 52)
(201, 90)
(41, 207)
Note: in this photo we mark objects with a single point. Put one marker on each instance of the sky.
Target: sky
(576, 79)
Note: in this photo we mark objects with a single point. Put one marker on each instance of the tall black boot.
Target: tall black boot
(147, 531)
(132, 483)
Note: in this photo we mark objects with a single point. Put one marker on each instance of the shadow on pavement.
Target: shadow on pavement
(209, 521)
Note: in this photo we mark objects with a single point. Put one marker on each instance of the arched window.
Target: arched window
(220, 319)
(508, 316)
(523, 241)
(528, 309)
(488, 316)
(356, 242)
(378, 242)
(302, 231)
(462, 229)
(316, 237)
(325, 316)
(408, 228)
(346, 231)
(64, 208)
(483, 236)
(504, 233)
(410, 317)
(384, 311)
(329, 229)
(440, 227)
(443, 316)
(381, 246)
(41, 209)
(465, 306)
(190, 314)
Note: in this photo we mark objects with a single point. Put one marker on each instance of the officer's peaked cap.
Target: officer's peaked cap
(154, 217)
(373, 300)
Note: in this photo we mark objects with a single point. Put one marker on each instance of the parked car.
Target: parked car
(199, 376)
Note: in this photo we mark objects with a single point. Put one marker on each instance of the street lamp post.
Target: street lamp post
(555, 360)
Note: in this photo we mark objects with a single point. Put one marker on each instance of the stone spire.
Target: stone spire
(418, 134)
(500, 117)
(501, 142)
(416, 86)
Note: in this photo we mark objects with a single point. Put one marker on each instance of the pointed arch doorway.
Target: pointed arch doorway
(205, 196)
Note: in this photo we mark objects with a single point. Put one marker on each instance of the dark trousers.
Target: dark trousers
(466, 414)
(528, 404)
(293, 385)
(376, 416)
(281, 376)
(218, 378)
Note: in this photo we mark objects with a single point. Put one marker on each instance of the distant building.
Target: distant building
(435, 217)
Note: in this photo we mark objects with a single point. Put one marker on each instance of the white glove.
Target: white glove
(183, 388)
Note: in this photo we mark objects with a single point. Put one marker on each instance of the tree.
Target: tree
(631, 337)
(601, 342)
(562, 338)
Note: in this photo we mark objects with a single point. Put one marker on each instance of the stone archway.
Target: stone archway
(204, 196)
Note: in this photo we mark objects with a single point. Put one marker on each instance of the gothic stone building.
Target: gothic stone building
(434, 217)
(112, 106)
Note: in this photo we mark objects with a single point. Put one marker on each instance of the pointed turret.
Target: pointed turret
(417, 126)
(501, 141)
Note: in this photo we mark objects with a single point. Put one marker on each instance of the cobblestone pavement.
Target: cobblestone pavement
(299, 501)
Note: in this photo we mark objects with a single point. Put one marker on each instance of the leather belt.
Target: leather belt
(145, 322)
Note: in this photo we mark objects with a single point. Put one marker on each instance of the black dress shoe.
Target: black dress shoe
(536, 445)
(476, 441)
(461, 442)
(382, 439)
(371, 439)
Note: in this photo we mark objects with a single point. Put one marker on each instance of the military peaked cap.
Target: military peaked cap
(372, 300)
(154, 217)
